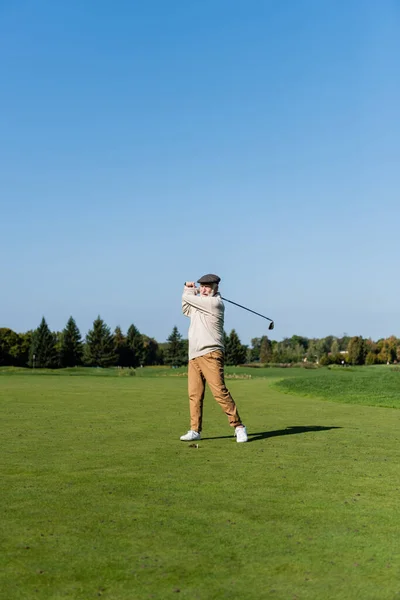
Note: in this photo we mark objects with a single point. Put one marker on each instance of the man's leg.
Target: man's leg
(196, 389)
(212, 367)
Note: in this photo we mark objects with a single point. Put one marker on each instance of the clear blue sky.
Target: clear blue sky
(146, 143)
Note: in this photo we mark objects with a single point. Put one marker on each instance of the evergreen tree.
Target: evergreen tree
(136, 346)
(186, 349)
(71, 351)
(121, 348)
(42, 352)
(175, 354)
(235, 352)
(99, 347)
(153, 354)
(225, 338)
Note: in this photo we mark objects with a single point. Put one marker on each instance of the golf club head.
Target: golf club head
(271, 325)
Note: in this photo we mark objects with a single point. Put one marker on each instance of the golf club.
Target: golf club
(271, 325)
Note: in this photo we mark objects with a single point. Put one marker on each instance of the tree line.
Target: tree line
(42, 348)
(354, 350)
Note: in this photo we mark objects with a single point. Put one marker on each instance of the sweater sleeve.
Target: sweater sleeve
(207, 304)
(186, 307)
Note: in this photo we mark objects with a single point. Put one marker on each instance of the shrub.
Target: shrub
(371, 359)
(129, 372)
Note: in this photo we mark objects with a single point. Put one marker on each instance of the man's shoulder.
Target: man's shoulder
(216, 299)
(217, 303)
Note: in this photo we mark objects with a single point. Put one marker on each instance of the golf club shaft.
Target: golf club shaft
(252, 311)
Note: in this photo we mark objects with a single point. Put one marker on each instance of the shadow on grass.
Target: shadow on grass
(263, 435)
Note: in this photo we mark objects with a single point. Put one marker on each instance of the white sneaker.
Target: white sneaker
(190, 436)
(241, 434)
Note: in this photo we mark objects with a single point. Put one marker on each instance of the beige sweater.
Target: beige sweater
(206, 315)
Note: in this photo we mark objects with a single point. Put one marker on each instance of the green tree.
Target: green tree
(43, 352)
(391, 343)
(356, 350)
(225, 338)
(135, 344)
(99, 348)
(20, 352)
(175, 354)
(153, 354)
(235, 351)
(71, 350)
(297, 353)
(9, 341)
(343, 342)
(327, 343)
(58, 336)
(121, 348)
(371, 352)
(298, 340)
(321, 348)
(335, 347)
(371, 358)
(312, 351)
(289, 350)
(255, 350)
(265, 350)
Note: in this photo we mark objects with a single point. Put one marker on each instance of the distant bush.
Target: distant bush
(290, 365)
(332, 359)
(371, 359)
(129, 372)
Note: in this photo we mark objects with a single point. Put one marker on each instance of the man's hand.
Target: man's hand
(190, 284)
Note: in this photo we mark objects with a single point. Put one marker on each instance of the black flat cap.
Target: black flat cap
(209, 278)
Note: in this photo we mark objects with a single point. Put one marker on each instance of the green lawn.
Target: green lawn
(374, 386)
(100, 498)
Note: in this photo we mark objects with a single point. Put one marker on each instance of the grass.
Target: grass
(374, 386)
(157, 371)
(101, 499)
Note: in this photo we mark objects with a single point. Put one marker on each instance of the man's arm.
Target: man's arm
(188, 289)
(190, 299)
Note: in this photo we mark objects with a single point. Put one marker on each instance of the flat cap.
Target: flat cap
(209, 278)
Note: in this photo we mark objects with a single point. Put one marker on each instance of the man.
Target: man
(205, 309)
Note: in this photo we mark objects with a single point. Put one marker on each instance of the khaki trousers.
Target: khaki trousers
(209, 368)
